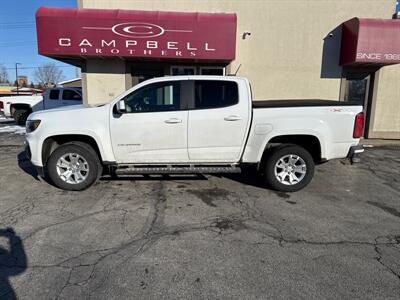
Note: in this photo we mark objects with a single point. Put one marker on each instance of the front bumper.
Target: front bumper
(28, 153)
(28, 150)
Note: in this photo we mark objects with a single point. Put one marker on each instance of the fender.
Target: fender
(104, 154)
(283, 133)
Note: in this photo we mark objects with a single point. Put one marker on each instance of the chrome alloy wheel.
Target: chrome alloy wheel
(290, 169)
(72, 168)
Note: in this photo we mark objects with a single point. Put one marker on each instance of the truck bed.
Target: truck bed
(299, 103)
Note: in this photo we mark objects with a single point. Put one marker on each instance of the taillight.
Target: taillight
(359, 125)
(1, 105)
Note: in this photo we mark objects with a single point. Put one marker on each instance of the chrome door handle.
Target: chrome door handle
(232, 118)
(173, 121)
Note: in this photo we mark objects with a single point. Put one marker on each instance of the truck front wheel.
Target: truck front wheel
(289, 168)
(74, 166)
(20, 116)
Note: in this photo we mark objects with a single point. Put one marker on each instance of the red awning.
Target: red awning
(370, 41)
(66, 32)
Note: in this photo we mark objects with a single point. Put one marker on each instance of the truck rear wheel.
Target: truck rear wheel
(20, 116)
(74, 166)
(289, 168)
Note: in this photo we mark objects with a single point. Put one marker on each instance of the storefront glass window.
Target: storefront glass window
(356, 90)
(175, 71)
(211, 71)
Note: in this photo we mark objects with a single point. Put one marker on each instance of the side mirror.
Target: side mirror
(121, 107)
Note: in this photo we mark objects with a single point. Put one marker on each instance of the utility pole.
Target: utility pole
(16, 76)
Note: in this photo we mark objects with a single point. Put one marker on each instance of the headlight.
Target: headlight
(31, 125)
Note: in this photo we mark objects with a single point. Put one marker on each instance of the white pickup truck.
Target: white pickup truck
(193, 124)
(19, 107)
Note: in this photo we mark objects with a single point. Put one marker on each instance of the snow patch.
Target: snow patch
(5, 120)
(12, 129)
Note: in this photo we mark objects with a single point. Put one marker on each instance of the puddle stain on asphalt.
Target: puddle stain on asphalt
(208, 196)
(229, 224)
(388, 209)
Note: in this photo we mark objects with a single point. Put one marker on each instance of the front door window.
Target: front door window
(156, 97)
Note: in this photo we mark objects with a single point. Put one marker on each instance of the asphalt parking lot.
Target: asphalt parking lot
(201, 237)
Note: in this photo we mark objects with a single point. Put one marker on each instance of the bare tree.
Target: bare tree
(48, 74)
(3, 74)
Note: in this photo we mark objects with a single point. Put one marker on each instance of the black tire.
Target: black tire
(85, 151)
(274, 157)
(20, 116)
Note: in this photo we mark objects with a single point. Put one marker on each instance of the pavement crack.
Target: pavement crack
(379, 257)
(75, 218)
(65, 284)
(123, 222)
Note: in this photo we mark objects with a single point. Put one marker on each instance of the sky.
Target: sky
(18, 37)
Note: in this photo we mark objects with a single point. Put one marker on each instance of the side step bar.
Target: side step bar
(191, 169)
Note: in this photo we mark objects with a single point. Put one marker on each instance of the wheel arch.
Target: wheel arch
(307, 141)
(53, 142)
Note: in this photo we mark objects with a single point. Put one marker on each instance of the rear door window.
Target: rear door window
(215, 93)
(71, 95)
(54, 94)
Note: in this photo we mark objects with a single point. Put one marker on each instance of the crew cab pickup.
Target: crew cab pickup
(193, 124)
(19, 107)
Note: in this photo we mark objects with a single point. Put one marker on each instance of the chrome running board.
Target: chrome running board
(175, 169)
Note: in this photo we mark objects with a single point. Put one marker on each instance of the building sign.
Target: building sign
(370, 41)
(125, 33)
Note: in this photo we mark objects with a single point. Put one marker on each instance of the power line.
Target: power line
(12, 42)
(25, 63)
(4, 44)
(18, 45)
(20, 27)
(21, 22)
(21, 68)
(17, 25)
